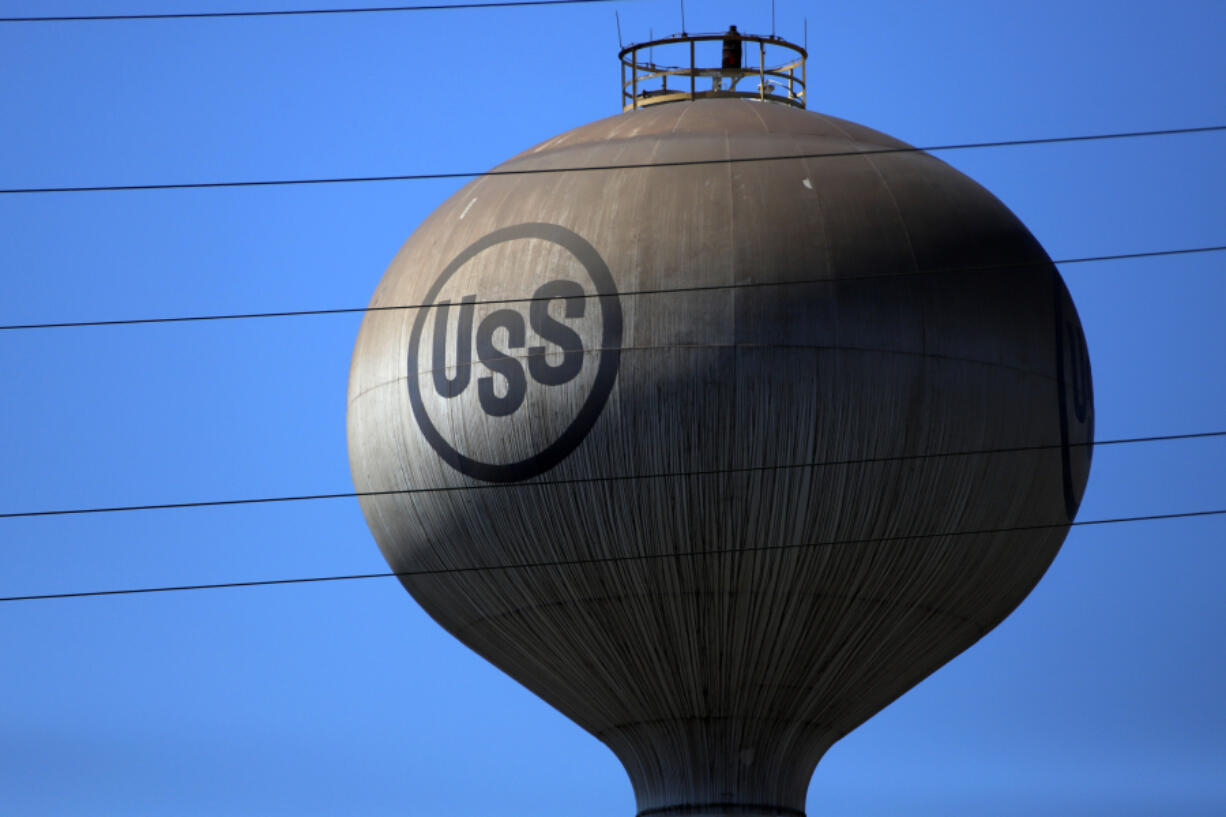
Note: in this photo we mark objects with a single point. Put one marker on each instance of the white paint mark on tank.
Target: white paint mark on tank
(805, 181)
(467, 208)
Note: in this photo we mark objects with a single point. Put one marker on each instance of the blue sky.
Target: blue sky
(1101, 695)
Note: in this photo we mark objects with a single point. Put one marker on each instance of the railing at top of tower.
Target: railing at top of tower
(645, 82)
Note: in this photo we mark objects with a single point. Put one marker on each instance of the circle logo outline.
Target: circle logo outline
(606, 372)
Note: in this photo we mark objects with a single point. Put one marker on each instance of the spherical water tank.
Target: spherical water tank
(691, 449)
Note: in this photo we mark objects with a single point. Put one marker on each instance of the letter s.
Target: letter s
(557, 333)
(501, 363)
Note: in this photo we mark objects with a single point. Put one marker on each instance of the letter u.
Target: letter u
(456, 384)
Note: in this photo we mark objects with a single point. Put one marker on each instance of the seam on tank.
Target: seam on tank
(856, 144)
(684, 110)
(765, 127)
(872, 600)
(630, 316)
(646, 188)
(731, 209)
(828, 259)
(902, 222)
(821, 213)
(547, 161)
(788, 346)
(732, 278)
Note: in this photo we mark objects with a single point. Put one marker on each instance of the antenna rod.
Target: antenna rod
(772, 18)
(618, 18)
(682, 16)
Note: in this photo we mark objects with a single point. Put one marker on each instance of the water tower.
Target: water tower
(722, 422)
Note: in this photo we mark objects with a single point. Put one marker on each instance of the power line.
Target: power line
(216, 503)
(1050, 140)
(628, 293)
(604, 559)
(201, 15)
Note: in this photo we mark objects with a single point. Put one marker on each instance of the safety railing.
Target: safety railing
(779, 70)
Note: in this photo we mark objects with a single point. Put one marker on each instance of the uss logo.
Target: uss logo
(504, 364)
(506, 385)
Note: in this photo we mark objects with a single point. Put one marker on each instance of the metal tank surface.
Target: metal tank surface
(674, 427)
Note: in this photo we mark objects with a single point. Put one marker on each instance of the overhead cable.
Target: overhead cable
(628, 293)
(605, 559)
(202, 15)
(751, 469)
(1050, 140)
